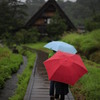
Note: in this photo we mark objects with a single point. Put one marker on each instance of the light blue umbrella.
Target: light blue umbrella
(62, 46)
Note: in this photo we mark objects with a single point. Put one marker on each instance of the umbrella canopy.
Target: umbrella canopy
(62, 46)
(64, 67)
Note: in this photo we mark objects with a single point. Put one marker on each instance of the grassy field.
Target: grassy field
(88, 87)
(9, 64)
(39, 46)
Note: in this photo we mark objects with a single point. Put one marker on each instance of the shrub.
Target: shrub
(56, 27)
(23, 79)
(86, 43)
(93, 23)
(9, 63)
(27, 36)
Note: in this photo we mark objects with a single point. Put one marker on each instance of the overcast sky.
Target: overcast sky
(47, 0)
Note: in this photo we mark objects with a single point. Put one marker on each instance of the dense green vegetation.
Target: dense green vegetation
(88, 86)
(93, 23)
(56, 27)
(23, 78)
(38, 45)
(9, 64)
(21, 37)
(26, 36)
(88, 46)
(81, 10)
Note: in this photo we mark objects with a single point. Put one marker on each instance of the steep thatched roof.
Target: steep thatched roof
(32, 20)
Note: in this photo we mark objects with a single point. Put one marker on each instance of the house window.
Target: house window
(48, 20)
(45, 21)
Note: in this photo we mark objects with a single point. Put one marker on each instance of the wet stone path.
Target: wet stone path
(38, 88)
(11, 84)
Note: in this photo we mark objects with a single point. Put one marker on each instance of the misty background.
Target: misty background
(77, 10)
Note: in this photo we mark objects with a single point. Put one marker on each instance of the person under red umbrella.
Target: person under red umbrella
(61, 89)
(52, 83)
(64, 68)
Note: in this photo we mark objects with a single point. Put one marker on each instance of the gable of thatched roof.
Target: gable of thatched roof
(48, 4)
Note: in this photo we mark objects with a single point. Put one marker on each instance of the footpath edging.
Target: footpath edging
(31, 82)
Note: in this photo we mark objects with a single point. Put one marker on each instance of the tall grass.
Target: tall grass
(84, 42)
(23, 79)
(88, 87)
(38, 45)
(9, 63)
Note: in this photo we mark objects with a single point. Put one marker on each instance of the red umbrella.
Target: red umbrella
(65, 67)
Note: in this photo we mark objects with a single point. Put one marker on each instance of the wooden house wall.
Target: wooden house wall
(48, 14)
(42, 20)
(39, 22)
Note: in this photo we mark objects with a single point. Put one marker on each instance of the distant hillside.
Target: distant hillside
(81, 10)
(77, 11)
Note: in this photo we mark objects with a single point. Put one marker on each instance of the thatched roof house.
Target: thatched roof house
(42, 17)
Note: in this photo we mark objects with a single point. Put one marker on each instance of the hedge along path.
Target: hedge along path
(38, 87)
(11, 84)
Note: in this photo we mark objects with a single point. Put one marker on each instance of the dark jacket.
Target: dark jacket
(61, 88)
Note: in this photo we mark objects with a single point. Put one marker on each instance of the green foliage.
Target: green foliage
(7, 39)
(38, 45)
(71, 38)
(88, 86)
(9, 63)
(93, 23)
(80, 10)
(5, 18)
(56, 27)
(91, 82)
(90, 42)
(21, 37)
(86, 44)
(30, 36)
(12, 15)
(23, 79)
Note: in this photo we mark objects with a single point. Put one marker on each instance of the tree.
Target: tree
(12, 15)
(18, 12)
(56, 27)
(5, 18)
(93, 23)
(27, 36)
(33, 6)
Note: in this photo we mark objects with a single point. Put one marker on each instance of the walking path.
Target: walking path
(38, 88)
